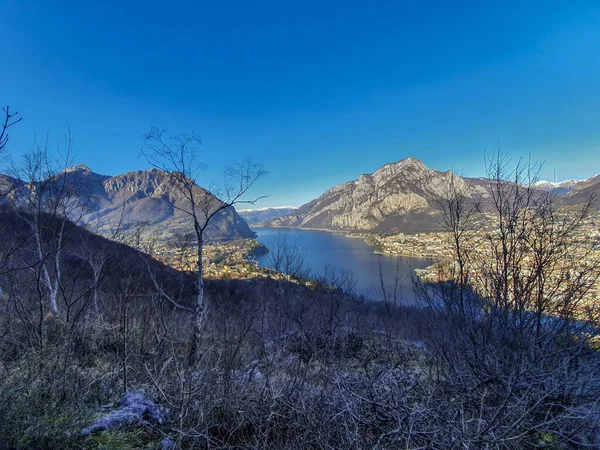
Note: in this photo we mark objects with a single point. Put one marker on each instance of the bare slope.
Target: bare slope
(398, 197)
(144, 197)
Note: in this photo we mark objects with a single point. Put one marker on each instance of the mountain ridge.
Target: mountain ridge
(398, 197)
(143, 197)
(263, 215)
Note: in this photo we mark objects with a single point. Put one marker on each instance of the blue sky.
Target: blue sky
(320, 92)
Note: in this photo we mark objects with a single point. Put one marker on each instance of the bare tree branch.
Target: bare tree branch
(178, 156)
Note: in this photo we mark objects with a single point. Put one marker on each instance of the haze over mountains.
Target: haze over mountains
(401, 197)
(262, 215)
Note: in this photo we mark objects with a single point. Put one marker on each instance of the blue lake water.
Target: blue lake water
(322, 252)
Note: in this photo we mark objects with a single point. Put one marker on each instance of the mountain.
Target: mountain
(147, 198)
(583, 190)
(569, 187)
(573, 191)
(263, 215)
(404, 197)
(81, 254)
(398, 197)
(557, 187)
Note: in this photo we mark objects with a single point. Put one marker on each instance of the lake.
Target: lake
(323, 252)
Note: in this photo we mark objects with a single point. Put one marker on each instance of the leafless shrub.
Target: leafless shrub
(513, 344)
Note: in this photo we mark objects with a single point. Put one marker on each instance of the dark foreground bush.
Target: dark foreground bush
(288, 367)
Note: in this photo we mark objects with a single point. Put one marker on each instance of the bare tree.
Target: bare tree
(97, 253)
(47, 203)
(286, 257)
(178, 156)
(10, 119)
(515, 321)
(459, 208)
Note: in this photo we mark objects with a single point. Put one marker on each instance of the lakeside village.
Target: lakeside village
(584, 246)
(237, 259)
(222, 260)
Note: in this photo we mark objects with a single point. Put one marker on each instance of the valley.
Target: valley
(299, 225)
(146, 287)
(398, 210)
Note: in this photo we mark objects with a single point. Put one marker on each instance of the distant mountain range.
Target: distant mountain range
(401, 197)
(557, 187)
(582, 191)
(143, 197)
(263, 215)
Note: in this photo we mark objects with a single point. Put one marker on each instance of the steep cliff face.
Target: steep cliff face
(149, 196)
(144, 197)
(404, 197)
(398, 197)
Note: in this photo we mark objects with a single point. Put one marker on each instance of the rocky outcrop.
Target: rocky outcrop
(133, 409)
(399, 197)
(147, 197)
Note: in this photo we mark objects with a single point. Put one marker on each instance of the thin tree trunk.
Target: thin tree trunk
(199, 312)
(52, 290)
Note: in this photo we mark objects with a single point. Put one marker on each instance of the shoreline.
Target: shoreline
(354, 236)
(404, 255)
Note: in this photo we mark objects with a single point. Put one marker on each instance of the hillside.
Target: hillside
(398, 197)
(143, 198)
(404, 197)
(263, 215)
(87, 262)
(583, 190)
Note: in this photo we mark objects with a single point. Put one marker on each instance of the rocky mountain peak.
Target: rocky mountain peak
(82, 177)
(78, 168)
(143, 196)
(402, 196)
(406, 165)
(411, 160)
(406, 169)
(146, 182)
(399, 196)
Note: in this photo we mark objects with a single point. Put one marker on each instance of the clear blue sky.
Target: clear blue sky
(320, 92)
